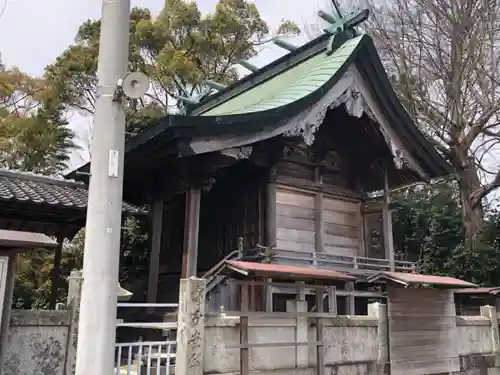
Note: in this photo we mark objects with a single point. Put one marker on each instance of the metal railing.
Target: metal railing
(146, 357)
(340, 262)
(212, 275)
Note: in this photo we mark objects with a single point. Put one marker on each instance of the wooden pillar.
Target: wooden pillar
(351, 305)
(319, 218)
(270, 229)
(244, 350)
(56, 273)
(387, 224)
(271, 209)
(191, 229)
(332, 300)
(320, 349)
(154, 254)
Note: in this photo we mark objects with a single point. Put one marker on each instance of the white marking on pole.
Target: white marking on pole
(113, 163)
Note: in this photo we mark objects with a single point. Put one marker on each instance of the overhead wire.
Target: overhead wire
(4, 7)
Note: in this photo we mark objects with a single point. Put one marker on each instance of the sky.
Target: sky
(33, 33)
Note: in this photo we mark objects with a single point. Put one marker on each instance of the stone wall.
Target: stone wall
(354, 345)
(37, 342)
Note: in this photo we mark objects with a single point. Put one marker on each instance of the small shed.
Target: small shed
(270, 286)
(422, 322)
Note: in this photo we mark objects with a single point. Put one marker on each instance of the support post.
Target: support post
(75, 282)
(191, 231)
(56, 273)
(387, 224)
(320, 349)
(270, 228)
(154, 255)
(379, 311)
(332, 300)
(190, 328)
(8, 277)
(271, 209)
(490, 312)
(319, 220)
(97, 325)
(351, 306)
(301, 330)
(244, 352)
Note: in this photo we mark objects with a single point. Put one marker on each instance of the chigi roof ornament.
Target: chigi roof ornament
(342, 26)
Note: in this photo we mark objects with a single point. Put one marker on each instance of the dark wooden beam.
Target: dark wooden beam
(56, 273)
(191, 232)
(155, 248)
(271, 209)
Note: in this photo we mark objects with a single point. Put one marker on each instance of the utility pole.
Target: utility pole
(97, 323)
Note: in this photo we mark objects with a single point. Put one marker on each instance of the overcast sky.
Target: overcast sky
(33, 33)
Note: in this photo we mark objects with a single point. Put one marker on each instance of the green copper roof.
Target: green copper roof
(288, 86)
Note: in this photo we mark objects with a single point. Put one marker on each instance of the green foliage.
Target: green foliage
(178, 50)
(428, 229)
(34, 135)
(34, 270)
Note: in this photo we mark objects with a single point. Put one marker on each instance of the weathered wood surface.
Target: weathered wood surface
(422, 331)
(296, 226)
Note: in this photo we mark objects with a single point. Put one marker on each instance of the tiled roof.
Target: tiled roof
(52, 191)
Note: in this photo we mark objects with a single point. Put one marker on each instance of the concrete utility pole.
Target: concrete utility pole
(97, 326)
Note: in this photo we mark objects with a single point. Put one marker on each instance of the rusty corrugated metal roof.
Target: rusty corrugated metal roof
(281, 270)
(415, 279)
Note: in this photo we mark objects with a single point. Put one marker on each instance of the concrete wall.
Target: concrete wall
(351, 346)
(354, 345)
(37, 342)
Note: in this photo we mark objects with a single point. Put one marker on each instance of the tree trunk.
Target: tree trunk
(472, 211)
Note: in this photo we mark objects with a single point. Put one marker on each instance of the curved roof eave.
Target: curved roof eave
(372, 67)
(240, 113)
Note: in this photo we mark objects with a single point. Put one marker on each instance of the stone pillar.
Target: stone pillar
(6, 305)
(490, 312)
(75, 282)
(190, 327)
(301, 352)
(379, 311)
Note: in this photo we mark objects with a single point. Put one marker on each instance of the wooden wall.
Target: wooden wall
(297, 224)
(343, 231)
(422, 331)
(317, 206)
(233, 208)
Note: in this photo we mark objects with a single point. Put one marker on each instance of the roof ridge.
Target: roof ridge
(275, 67)
(32, 176)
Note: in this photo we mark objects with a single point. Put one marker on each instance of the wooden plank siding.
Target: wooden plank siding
(342, 227)
(422, 331)
(296, 222)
